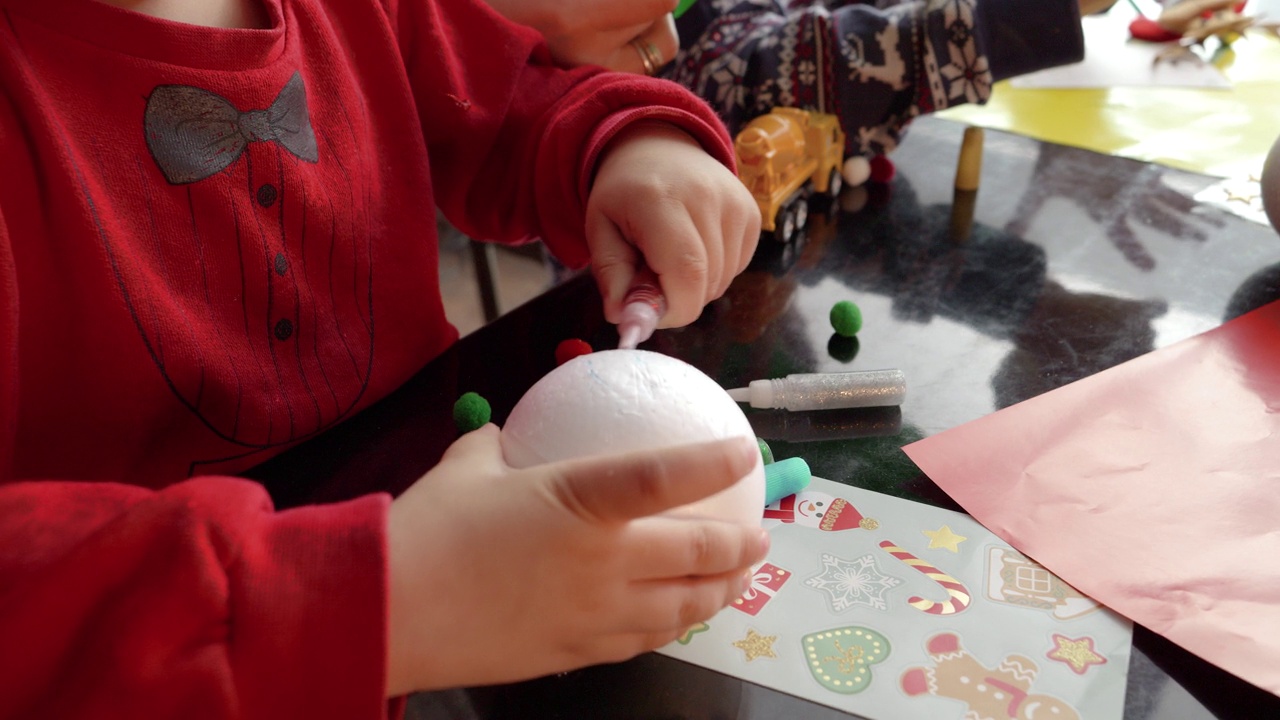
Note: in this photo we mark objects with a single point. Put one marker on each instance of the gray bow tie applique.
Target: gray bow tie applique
(193, 133)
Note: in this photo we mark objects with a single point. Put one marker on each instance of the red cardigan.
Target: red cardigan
(217, 243)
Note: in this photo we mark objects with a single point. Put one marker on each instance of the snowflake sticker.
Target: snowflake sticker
(849, 583)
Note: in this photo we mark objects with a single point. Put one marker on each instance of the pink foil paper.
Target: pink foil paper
(1153, 487)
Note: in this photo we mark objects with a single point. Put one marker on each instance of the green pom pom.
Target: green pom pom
(470, 412)
(765, 452)
(846, 318)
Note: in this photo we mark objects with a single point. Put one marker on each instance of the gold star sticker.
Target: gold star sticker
(1247, 199)
(944, 538)
(687, 637)
(756, 645)
(1078, 654)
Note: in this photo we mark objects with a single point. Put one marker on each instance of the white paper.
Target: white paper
(1113, 59)
(1237, 195)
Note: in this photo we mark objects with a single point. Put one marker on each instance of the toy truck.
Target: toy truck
(784, 154)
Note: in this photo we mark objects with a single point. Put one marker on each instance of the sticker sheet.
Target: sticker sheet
(894, 610)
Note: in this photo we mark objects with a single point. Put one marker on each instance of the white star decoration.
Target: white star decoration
(848, 583)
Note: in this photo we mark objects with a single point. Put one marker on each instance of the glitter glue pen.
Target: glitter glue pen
(826, 391)
(642, 308)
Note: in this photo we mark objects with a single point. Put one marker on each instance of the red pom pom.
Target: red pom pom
(882, 169)
(1149, 30)
(570, 349)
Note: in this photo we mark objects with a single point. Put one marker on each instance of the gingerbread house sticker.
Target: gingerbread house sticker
(1015, 579)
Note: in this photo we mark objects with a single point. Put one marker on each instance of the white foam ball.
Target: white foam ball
(616, 401)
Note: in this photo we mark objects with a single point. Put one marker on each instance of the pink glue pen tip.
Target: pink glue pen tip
(629, 337)
(640, 315)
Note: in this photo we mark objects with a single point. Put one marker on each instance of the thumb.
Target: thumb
(479, 448)
(618, 488)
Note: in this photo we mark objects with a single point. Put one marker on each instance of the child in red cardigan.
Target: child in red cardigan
(217, 239)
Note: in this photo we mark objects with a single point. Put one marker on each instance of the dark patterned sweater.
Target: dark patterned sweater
(877, 66)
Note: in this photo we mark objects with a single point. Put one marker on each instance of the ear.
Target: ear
(915, 681)
(943, 644)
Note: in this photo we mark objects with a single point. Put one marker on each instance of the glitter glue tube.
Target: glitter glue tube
(826, 391)
(839, 424)
(643, 306)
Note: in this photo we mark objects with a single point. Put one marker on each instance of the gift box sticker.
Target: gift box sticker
(766, 581)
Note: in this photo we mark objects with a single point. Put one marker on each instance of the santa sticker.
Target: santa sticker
(819, 511)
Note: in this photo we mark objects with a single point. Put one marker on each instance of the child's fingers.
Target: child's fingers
(613, 262)
(674, 249)
(748, 229)
(674, 547)
(619, 488)
(480, 444)
(712, 234)
(673, 605)
(740, 228)
(657, 613)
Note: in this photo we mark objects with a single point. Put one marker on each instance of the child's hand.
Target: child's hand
(660, 198)
(500, 574)
(1091, 7)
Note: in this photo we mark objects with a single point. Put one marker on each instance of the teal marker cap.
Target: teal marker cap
(785, 477)
(682, 7)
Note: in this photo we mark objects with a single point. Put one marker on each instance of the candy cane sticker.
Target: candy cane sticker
(957, 592)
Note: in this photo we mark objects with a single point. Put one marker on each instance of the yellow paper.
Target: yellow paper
(1213, 131)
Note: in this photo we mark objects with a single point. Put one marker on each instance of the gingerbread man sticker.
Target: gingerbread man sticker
(999, 693)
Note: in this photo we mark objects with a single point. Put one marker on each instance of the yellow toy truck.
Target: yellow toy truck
(781, 156)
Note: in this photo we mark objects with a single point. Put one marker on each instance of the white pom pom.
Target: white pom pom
(856, 170)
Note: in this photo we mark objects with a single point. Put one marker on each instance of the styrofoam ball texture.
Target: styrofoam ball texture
(617, 401)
